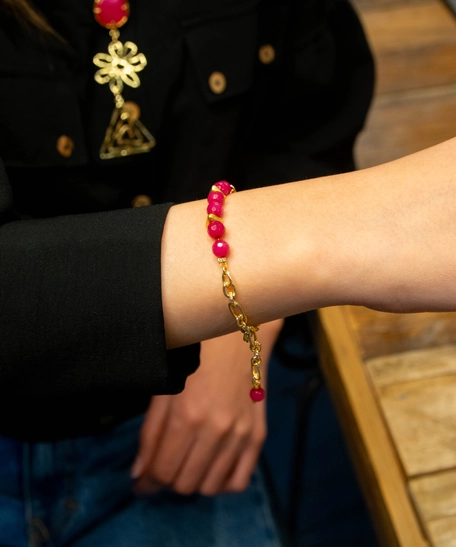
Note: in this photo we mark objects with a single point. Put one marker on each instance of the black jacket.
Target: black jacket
(81, 329)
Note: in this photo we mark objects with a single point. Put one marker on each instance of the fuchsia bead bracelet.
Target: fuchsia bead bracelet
(220, 248)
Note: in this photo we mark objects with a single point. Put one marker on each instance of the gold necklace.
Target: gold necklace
(126, 134)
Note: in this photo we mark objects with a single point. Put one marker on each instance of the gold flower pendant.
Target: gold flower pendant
(125, 135)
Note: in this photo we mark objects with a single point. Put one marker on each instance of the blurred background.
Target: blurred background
(414, 44)
(391, 378)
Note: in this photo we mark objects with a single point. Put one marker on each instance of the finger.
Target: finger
(151, 433)
(239, 456)
(241, 474)
(174, 446)
(215, 455)
(204, 453)
(215, 479)
(232, 470)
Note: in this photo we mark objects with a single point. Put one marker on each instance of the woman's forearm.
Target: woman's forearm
(383, 237)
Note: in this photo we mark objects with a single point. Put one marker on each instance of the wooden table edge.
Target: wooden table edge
(376, 462)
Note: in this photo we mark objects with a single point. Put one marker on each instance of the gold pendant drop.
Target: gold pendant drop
(125, 135)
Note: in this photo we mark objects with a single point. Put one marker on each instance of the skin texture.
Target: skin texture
(381, 237)
(208, 438)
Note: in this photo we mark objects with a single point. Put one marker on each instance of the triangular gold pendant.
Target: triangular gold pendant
(126, 135)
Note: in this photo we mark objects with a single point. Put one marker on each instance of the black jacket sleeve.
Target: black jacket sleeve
(81, 321)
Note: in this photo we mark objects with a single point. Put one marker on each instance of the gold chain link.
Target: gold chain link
(249, 331)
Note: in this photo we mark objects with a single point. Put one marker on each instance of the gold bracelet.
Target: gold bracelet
(220, 248)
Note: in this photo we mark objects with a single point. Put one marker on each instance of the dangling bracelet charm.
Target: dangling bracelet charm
(220, 248)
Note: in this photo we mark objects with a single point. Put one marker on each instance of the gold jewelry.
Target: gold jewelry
(221, 249)
(125, 135)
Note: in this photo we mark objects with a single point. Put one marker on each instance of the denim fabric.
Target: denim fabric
(330, 509)
(77, 493)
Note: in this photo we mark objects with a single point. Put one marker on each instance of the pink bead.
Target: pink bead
(257, 395)
(220, 248)
(224, 186)
(111, 13)
(215, 196)
(215, 229)
(215, 208)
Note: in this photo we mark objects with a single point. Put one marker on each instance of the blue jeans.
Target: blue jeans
(77, 493)
(329, 510)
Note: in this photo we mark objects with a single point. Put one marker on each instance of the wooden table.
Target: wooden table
(414, 45)
(393, 381)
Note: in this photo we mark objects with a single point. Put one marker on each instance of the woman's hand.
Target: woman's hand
(208, 438)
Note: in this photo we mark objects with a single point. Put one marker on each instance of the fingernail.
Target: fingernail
(136, 468)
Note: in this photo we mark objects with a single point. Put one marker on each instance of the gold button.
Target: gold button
(141, 201)
(266, 54)
(65, 146)
(217, 82)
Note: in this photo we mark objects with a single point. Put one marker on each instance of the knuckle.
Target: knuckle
(193, 422)
(188, 418)
(244, 431)
(222, 425)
